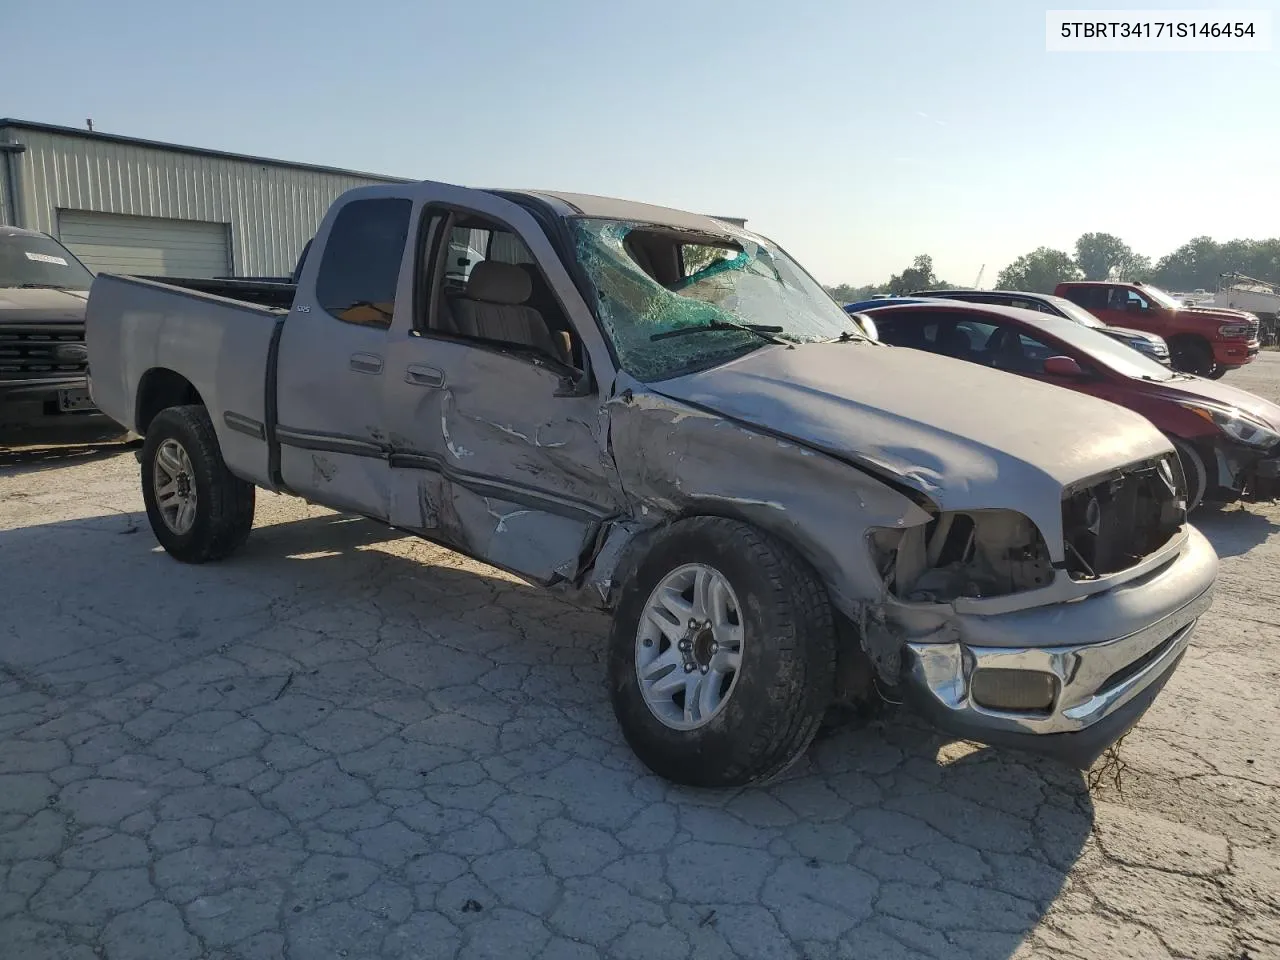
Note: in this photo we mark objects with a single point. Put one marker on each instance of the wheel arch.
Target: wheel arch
(158, 389)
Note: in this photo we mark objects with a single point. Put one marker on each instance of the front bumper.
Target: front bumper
(38, 390)
(1235, 353)
(1109, 655)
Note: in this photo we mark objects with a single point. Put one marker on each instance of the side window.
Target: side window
(1091, 298)
(1139, 300)
(469, 246)
(356, 281)
(1010, 349)
(495, 294)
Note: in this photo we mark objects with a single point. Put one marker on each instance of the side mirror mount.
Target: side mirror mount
(581, 384)
(1065, 367)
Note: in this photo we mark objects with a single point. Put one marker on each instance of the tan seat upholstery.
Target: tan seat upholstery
(493, 308)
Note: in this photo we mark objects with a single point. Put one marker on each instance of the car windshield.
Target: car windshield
(33, 261)
(1076, 312)
(1160, 297)
(674, 301)
(1110, 353)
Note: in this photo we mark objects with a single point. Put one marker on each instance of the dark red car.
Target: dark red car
(1228, 440)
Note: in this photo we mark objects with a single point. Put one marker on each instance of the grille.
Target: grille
(29, 353)
(1254, 326)
(1111, 522)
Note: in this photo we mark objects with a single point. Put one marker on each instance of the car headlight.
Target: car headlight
(1237, 425)
(1235, 330)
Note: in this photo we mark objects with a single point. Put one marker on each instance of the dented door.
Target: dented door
(494, 452)
(489, 460)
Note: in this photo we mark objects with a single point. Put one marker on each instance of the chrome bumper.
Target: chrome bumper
(1096, 678)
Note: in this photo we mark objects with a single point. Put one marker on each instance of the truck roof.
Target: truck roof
(612, 208)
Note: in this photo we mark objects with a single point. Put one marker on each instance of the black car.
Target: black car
(43, 360)
(1149, 344)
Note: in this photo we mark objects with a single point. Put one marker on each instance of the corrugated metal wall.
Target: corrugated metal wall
(271, 210)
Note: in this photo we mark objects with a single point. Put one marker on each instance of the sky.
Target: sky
(855, 134)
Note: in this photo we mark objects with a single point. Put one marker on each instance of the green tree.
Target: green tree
(846, 293)
(1038, 271)
(1099, 255)
(918, 276)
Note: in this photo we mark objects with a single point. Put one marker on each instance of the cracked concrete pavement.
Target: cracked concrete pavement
(342, 743)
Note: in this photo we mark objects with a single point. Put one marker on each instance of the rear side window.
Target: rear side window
(356, 282)
(1091, 298)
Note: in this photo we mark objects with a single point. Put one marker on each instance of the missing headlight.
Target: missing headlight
(979, 553)
(1111, 522)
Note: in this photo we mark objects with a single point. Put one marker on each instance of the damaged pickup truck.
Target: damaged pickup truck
(663, 414)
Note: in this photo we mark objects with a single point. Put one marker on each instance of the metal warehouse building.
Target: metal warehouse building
(136, 206)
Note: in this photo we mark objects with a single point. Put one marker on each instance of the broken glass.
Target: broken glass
(718, 297)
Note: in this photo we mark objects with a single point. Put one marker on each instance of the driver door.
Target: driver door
(498, 431)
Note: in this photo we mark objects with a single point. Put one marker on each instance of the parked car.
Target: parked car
(1207, 341)
(43, 289)
(1148, 343)
(1228, 440)
(778, 511)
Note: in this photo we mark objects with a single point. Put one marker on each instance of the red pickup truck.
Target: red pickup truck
(1202, 340)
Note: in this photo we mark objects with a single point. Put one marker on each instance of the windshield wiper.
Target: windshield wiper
(761, 330)
(848, 336)
(42, 286)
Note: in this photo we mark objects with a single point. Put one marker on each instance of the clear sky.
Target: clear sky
(856, 134)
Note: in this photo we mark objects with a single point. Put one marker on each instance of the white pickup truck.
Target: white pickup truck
(664, 415)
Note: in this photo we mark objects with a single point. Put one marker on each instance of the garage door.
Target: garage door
(146, 246)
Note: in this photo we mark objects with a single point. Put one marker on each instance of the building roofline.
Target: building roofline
(11, 123)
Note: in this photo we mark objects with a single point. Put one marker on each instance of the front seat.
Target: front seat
(493, 308)
(953, 342)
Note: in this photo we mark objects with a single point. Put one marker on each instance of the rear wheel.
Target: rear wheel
(722, 655)
(197, 508)
(1193, 468)
(1192, 355)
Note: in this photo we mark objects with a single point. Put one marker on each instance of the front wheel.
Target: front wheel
(1193, 468)
(1192, 355)
(1217, 373)
(722, 655)
(198, 509)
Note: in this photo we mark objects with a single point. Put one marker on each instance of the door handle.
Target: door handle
(366, 363)
(423, 376)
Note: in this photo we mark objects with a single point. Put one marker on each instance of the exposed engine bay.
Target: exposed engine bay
(1110, 523)
(981, 553)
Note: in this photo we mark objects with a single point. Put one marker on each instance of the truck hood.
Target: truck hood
(41, 305)
(1223, 395)
(1219, 314)
(965, 436)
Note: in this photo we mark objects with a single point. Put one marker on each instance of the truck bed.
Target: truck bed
(275, 292)
(146, 336)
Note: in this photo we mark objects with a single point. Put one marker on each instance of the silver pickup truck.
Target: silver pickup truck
(662, 414)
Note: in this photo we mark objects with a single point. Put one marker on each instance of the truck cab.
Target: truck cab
(1204, 341)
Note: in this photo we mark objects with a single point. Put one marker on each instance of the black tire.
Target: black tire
(787, 677)
(1192, 355)
(1194, 469)
(224, 502)
(1218, 373)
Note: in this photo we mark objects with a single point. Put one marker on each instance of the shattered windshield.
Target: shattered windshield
(35, 261)
(673, 301)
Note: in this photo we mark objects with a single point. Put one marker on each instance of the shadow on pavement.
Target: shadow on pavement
(58, 442)
(1234, 529)
(886, 837)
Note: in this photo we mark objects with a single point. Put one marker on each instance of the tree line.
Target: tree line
(1098, 256)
